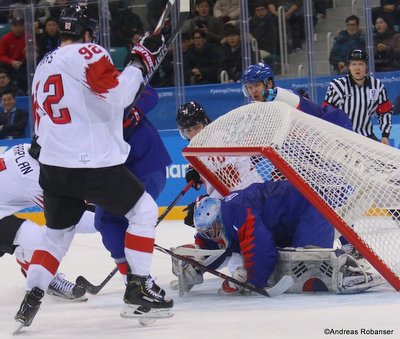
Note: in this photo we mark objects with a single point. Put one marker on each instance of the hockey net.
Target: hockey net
(352, 180)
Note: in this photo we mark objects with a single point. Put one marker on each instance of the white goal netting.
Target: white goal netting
(356, 179)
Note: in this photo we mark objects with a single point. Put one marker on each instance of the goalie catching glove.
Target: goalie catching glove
(144, 53)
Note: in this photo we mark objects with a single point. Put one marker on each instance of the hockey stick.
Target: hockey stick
(93, 289)
(279, 288)
(184, 11)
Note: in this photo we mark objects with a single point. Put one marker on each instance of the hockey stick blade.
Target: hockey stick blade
(92, 289)
(281, 286)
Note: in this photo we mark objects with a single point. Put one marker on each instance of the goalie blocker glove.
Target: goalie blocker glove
(144, 53)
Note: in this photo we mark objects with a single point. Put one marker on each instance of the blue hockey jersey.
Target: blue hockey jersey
(265, 216)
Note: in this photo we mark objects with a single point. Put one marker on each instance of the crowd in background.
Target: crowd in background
(211, 37)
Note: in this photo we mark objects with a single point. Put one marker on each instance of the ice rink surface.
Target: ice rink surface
(201, 314)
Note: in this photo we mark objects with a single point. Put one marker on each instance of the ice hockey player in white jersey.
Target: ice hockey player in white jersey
(78, 101)
(19, 189)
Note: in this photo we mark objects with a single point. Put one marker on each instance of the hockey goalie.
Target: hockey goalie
(271, 231)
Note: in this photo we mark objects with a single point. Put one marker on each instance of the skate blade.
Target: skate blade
(19, 327)
(82, 298)
(131, 311)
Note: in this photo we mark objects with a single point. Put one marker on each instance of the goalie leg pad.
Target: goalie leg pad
(187, 275)
(318, 270)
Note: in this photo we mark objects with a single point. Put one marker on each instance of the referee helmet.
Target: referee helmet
(358, 54)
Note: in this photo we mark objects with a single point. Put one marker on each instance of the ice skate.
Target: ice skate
(63, 288)
(28, 309)
(145, 300)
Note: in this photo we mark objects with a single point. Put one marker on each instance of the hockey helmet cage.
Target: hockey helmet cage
(191, 114)
(256, 73)
(75, 20)
(358, 54)
(208, 220)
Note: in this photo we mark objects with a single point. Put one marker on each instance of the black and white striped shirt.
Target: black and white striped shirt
(360, 103)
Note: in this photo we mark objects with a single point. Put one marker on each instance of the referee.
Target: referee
(361, 96)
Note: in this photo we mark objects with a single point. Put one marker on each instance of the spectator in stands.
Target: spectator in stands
(50, 39)
(7, 85)
(202, 60)
(227, 10)
(42, 12)
(12, 47)
(231, 54)
(347, 40)
(154, 11)
(386, 45)
(263, 27)
(12, 120)
(294, 17)
(390, 9)
(320, 7)
(123, 23)
(212, 27)
(164, 77)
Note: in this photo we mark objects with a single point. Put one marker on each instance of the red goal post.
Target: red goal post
(352, 180)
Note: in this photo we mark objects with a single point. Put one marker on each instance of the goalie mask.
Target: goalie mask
(208, 221)
(190, 115)
(75, 20)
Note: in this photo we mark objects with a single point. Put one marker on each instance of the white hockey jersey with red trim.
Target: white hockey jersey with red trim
(78, 101)
(19, 186)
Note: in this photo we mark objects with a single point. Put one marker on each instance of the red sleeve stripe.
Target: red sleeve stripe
(246, 238)
(384, 107)
(45, 259)
(138, 243)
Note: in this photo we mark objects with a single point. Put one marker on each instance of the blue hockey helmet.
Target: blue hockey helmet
(208, 220)
(256, 73)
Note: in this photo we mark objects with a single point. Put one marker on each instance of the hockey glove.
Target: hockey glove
(188, 220)
(229, 288)
(144, 53)
(190, 210)
(192, 174)
(270, 94)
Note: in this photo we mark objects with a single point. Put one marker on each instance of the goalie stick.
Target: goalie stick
(93, 289)
(163, 27)
(279, 288)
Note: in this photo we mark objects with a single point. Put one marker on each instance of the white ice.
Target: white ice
(201, 314)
